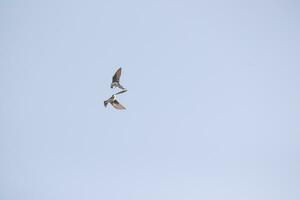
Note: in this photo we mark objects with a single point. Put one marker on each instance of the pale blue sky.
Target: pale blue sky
(213, 101)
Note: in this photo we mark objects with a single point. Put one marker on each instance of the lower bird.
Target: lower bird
(113, 101)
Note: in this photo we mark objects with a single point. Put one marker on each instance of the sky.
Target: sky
(212, 104)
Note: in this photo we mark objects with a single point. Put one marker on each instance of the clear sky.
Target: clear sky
(213, 101)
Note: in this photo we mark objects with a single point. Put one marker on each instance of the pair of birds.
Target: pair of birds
(116, 83)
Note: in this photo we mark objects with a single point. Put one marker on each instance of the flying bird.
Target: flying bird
(116, 79)
(113, 101)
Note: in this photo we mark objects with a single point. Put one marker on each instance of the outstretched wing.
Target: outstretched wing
(121, 92)
(116, 77)
(117, 105)
(105, 103)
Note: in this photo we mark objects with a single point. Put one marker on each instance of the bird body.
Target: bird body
(116, 80)
(114, 102)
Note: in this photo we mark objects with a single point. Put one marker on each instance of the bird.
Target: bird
(113, 101)
(116, 80)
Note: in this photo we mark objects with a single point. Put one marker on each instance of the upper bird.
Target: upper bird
(116, 79)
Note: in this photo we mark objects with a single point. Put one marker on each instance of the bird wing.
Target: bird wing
(117, 105)
(120, 86)
(108, 101)
(121, 92)
(105, 103)
(117, 75)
